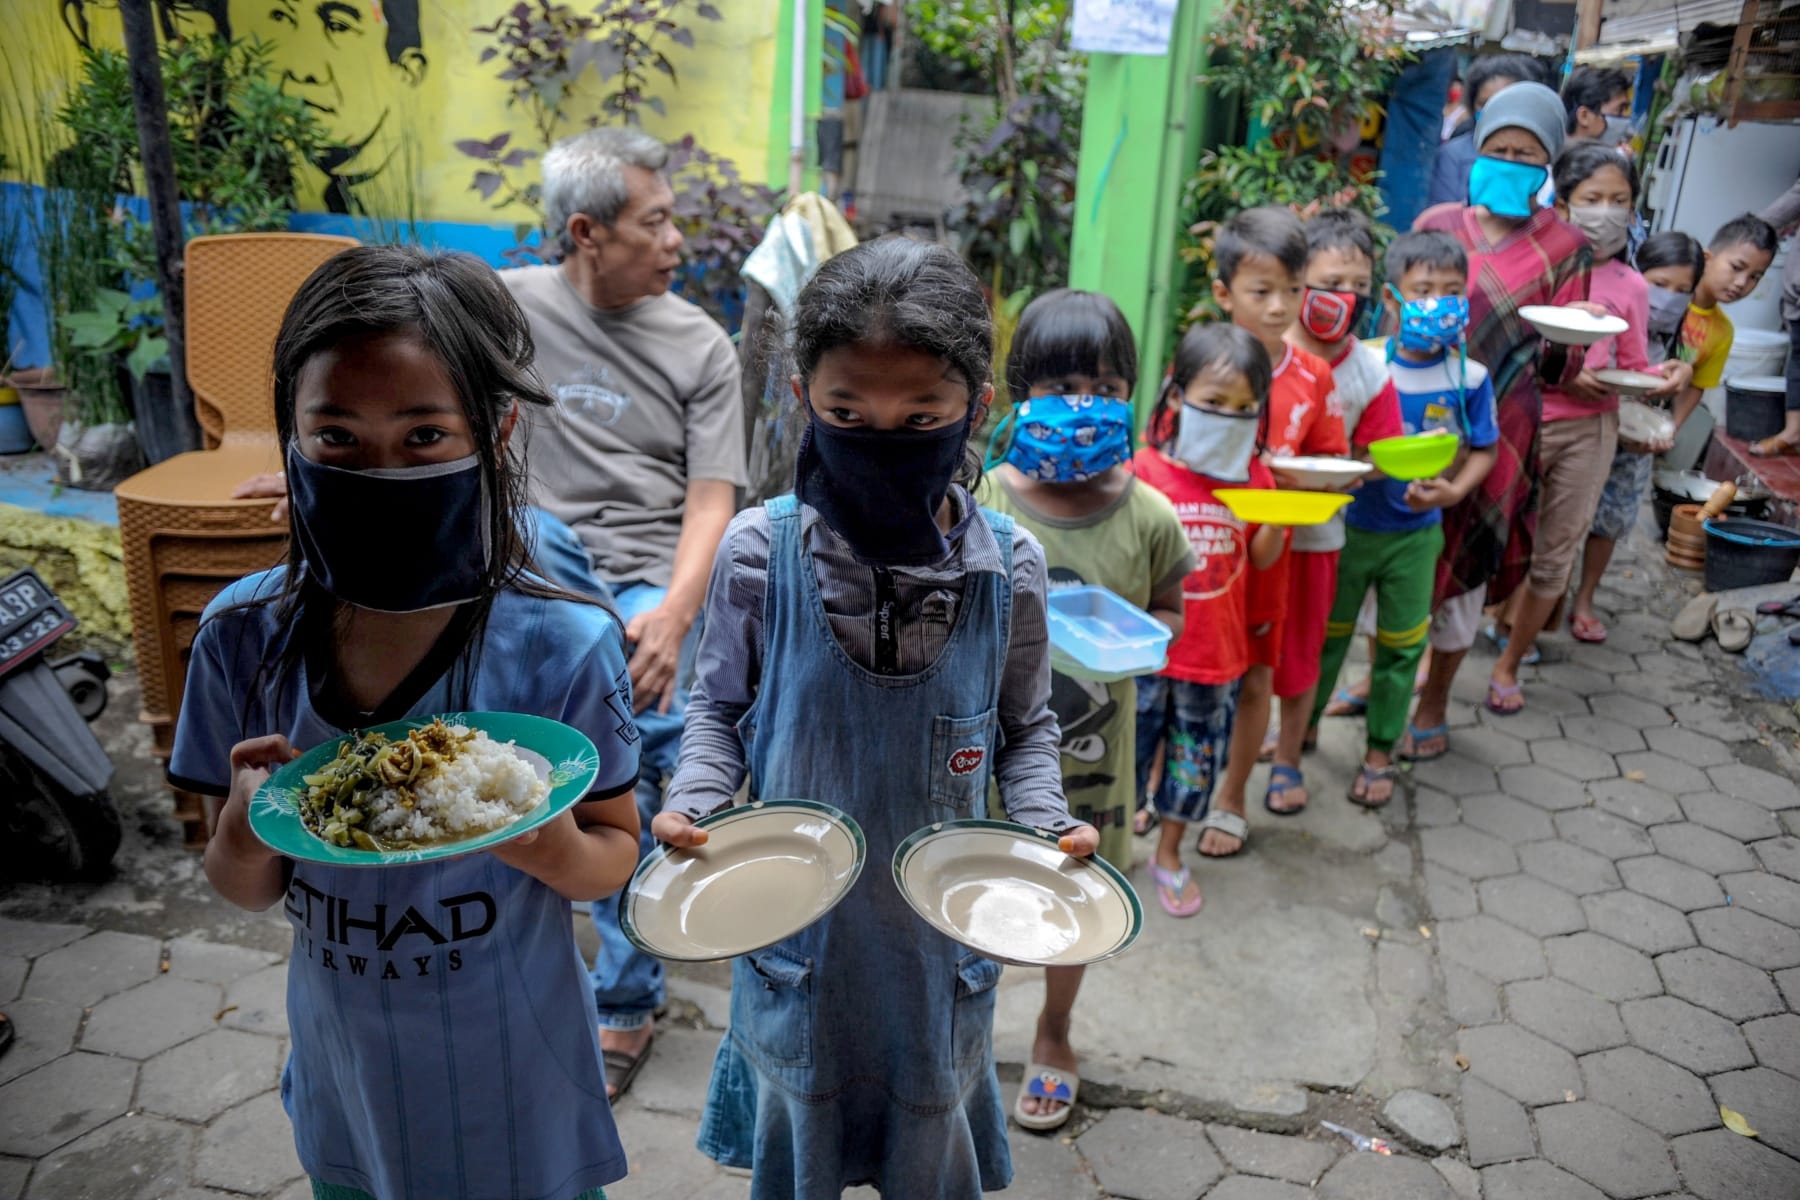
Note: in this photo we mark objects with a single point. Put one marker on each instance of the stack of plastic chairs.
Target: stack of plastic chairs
(183, 536)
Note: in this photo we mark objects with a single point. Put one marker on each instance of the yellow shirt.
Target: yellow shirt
(1705, 341)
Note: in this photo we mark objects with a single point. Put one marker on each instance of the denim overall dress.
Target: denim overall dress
(860, 1049)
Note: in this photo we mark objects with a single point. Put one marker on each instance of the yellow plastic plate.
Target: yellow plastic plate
(1266, 506)
(1416, 456)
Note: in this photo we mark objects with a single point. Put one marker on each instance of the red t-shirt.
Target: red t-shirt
(1304, 414)
(1214, 646)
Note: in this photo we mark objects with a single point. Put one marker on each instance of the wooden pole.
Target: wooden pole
(1587, 23)
(152, 110)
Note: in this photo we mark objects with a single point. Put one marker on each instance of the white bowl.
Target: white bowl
(1642, 423)
(1571, 326)
(1320, 474)
(1630, 383)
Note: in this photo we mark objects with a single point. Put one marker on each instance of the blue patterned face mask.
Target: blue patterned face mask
(1068, 439)
(1431, 325)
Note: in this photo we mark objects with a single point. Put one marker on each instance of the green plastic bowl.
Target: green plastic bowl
(1416, 456)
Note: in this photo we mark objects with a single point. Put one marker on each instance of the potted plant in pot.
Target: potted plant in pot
(129, 332)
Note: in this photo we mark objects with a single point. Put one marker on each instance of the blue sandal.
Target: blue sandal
(1283, 779)
(1415, 735)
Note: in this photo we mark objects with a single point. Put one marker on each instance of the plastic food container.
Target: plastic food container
(1415, 456)
(1644, 422)
(1097, 635)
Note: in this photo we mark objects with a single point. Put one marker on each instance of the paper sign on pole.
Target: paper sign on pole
(1123, 26)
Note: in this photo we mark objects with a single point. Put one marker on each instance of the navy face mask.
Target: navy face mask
(880, 490)
(347, 521)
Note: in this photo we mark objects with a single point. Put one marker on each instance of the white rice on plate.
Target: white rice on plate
(486, 786)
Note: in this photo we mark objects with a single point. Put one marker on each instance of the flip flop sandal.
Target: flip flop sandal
(1780, 608)
(1501, 691)
(1346, 704)
(1369, 777)
(1171, 886)
(1145, 820)
(1587, 629)
(1266, 752)
(1695, 618)
(1046, 1083)
(1227, 823)
(1772, 447)
(627, 1067)
(1533, 656)
(1283, 779)
(1734, 629)
(1415, 735)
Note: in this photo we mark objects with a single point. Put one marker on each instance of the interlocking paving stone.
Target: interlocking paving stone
(1666, 665)
(1455, 774)
(1463, 1179)
(1577, 679)
(1521, 1064)
(1733, 989)
(59, 1102)
(1468, 998)
(1630, 710)
(1695, 749)
(1468, 852)
(1686, 1035)
(1603, 833)
(1753, 783)
(1293, 1159)
(1508, 819)
(12, 975)
(42, 1030)
(1789, 983)
(1377, 1177)
(1421, 1119)
(32, 938)
(1603, 733)
(1447, 894)
(200, 1079)
(1566, 866)
(1531, 904)
(1761, 892)
(1664, 772)
(1608, 660)
(151, 1017)
(1610, 1151)
(1776, 1042)
(1542, 786)
(1720, 1165)
(1698, 846)
(1749, 936)
(1042, 1166)
(1768, 1099)
(133, 1158)
(1529, 723)
(248, 1149)
(1248, 1187)
(1656, 689)
(1715, 718)
(1432, 807)
(1737, 818)
(1495, 1125)
(1491, 746)
(215, 962)
(1575, 760)
(1603, 966)
(12, 1177)
(1535, 1180)
(1491, 948)
(257, 1003)
(1780, 855)
(1635, 800)
(1576, 1020)
(1649, 1090)
(87, 971)
(1673, 883)
(1148, 1156)
(1550, 697)
(1638, 921)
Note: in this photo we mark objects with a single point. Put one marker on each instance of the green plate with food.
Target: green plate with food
(423, 789)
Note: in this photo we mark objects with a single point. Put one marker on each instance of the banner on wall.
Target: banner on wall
(1123, 26)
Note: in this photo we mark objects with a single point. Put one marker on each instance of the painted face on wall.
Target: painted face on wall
(174, 18)
(341, 57)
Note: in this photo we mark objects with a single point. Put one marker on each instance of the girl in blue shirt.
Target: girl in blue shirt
(443, 1034)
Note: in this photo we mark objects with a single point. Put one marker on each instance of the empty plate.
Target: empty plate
(1009, 892)
(1630, 383)
(1317, 473)
(1571, 326)
(768, 870)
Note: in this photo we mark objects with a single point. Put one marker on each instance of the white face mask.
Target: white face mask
(1606, 227)
(1618, 131)
(1215, 443)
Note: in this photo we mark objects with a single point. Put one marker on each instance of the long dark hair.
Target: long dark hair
(1583, 160)
(900, 292)
(1203, 348)
(1070, 332)
(1670, 248)
(457, 308)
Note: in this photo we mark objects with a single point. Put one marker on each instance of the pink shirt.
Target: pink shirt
(1623, 293)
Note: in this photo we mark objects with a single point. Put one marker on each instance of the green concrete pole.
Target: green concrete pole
(1142, 125)
(780, 104)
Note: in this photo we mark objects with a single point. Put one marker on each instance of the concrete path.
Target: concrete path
(1539, 974)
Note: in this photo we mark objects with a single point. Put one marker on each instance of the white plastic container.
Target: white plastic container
(1753, 352)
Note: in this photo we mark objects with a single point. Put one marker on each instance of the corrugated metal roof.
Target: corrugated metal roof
(1646, 20)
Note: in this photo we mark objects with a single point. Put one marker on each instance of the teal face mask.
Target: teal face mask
(1506, 188)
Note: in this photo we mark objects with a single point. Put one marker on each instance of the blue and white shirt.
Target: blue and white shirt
(444, 1040)
(1431, 397)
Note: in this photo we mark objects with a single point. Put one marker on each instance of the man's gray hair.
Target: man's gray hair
(586, 174)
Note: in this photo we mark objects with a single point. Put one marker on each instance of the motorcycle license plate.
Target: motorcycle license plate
(31, 617)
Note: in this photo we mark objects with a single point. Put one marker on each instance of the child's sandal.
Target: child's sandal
(1367, 778)
(1171, 888)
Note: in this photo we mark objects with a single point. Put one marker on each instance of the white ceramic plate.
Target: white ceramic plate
(1642, 423)
(1321, 474)
(1009, 892)
(767, 871)
(1571, 326)
(1630, 383)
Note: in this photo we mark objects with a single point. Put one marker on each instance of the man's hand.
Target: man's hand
(677, 829)
(1423, 495)
(656, 637)
(270, 485)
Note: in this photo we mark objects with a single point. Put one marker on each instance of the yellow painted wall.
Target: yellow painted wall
(410, 112)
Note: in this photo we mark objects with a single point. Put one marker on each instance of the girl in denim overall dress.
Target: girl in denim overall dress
(876, 642)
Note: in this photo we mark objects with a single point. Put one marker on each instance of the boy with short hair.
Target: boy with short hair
(1260, 255)
(1395, 533)
(1339, 282)
(1736, 258)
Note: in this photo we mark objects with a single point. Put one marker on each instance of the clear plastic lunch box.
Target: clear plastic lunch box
(1097, 635)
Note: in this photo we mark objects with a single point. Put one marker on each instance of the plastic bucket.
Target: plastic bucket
(1755, 406)
(1743, 553)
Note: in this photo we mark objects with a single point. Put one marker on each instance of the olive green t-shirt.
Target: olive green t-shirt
(1134, 547)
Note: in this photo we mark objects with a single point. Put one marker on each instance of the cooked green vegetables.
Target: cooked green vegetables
(337, 801)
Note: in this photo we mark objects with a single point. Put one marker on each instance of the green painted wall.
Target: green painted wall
(780, 105)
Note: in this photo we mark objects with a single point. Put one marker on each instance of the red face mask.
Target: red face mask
(1332, 316)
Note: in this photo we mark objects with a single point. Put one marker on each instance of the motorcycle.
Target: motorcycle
(57, 817)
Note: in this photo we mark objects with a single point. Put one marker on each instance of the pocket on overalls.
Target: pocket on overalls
(972, 1018)
(960, 751)
(775, 1016)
